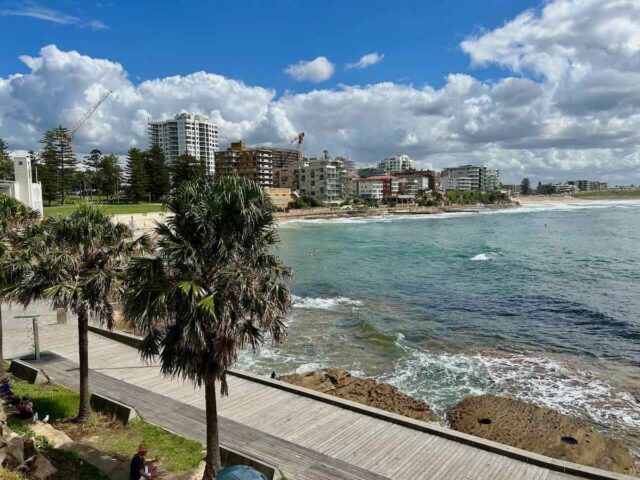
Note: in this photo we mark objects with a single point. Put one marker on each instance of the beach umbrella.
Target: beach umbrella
(240, 472)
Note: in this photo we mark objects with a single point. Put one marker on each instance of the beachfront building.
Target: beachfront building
(194, 135)
(377, 188)
(253, 163)
(418, 182)
(396, 164)
(589, 185)
(23, 188)
(556, 189)
(470, 178)
(280, 197)
(323, 178)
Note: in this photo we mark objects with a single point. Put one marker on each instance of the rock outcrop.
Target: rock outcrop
(367, 391)
(540, 430)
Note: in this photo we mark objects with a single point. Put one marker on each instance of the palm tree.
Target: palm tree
(212, 287)
(76, 263)
(14, 216)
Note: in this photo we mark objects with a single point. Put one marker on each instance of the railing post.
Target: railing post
(36, 338)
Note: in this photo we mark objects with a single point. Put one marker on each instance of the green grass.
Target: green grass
(110, 209)
(604, 194)
(178, 454)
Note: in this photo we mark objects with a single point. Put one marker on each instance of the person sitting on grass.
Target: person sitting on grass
(5, 388)
(141, 468)
(24, 408)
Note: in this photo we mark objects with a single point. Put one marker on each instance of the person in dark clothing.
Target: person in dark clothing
(24, 408)
(141, 468)
(5, 388)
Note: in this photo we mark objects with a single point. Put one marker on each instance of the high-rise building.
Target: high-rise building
(253, 163)
(470, 178)
(194, 135)
(396, 164)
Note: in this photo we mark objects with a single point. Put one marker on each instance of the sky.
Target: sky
(543, 89)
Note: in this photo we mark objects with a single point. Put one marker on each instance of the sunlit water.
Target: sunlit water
(540, 302)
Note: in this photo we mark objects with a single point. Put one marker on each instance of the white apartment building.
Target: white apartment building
(396, 164)
(23, 188)
(378, 187)
(470, 178)
(195, 135)
(324, 179)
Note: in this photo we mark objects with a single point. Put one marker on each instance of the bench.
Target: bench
(26, 372)
(113, 408)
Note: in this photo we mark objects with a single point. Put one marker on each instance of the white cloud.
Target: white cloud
(33, 10)
(366, 60)
(316, 70)
(581, 119)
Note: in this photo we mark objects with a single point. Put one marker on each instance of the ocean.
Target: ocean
(540, 303)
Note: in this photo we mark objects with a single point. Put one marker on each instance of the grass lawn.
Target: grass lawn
(111, 209)
(605, 194)
(177, 454)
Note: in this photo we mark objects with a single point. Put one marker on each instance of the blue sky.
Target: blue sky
(537, 88)
(256, 40)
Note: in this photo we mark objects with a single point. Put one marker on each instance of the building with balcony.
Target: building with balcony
(194, 135)
(377, 188)
(396, 164)
(470, 178)
(323, 178)
(253, 163)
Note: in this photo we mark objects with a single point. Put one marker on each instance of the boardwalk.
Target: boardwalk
(306, 438)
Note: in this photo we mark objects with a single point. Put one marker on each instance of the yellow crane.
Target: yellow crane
(78, 125)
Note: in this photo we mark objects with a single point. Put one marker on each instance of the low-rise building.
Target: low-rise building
(377, 188)
(23, 188)
(280, 197)
(418, 182)
(588, 185)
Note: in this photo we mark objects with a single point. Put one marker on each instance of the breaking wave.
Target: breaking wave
(323, 303)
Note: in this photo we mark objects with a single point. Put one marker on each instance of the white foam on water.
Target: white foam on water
(323, 303)
(528, 208)
(483, 257)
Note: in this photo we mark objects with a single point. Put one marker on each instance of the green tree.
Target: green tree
(525, 187)
(157, 173)
(184, 169)
(137, 180)
(92, 163)
(57, 154)
(14, 216)
(111, 175)
(75, 262)
(211, 288)
(6, 164)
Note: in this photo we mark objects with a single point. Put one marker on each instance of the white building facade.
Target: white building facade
(23, 188)
(194, 135)
(470, 178)
(396, 164)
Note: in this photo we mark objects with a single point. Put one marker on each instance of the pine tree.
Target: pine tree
(525, 187)
(137, 180)
(111, 175)
(92, 164)
(57, 153)
(157, 173)
(186, 168)
(6, 165)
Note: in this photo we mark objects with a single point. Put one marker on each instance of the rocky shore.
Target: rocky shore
(540, 430)
(505, 420)
(341, 383)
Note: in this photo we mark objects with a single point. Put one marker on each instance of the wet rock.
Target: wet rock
(367, 391)
(540, 430)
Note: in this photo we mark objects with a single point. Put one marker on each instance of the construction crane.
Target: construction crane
(86, 116)
(299, 139)
(72, 132)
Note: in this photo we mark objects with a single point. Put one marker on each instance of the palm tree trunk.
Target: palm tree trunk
(83, 350)
(1, 347)
(212, 460)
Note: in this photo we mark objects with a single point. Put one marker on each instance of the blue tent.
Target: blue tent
(240, 472)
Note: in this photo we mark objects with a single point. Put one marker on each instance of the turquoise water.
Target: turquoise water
(540, 302)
